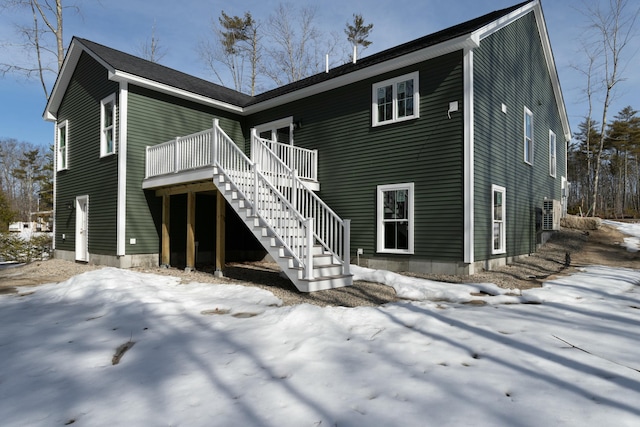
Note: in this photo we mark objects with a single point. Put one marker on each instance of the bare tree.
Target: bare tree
(236, 42)
(151, 49)
(43, 38)
(295, 48)
(613, 29)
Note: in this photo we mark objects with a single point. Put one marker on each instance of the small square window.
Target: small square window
(395, 100)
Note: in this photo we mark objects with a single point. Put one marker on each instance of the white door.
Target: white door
(82, 227)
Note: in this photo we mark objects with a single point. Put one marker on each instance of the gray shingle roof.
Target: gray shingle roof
(158, 73)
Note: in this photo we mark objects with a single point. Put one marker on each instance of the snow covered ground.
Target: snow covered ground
(221, 355)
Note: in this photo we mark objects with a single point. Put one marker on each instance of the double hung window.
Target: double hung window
(62, 146)
(396, 100)
(498, 216)
(107, 125)
(395, 218)
(552, 154)
(528, 136)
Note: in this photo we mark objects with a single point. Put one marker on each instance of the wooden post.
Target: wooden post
(191, 231)
(166, 231)
(220, 234)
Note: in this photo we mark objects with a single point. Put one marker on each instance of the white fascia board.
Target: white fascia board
(121, 76)
(534, 6)
(64, 78)
(459, 43)
(498, 24)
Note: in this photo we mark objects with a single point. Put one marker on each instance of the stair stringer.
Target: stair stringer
(326, 273)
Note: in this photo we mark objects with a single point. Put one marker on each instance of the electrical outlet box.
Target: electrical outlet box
(360, 251)
(132, 241)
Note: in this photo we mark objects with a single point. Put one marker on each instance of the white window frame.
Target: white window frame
(552, 153)
(381, 189)
(394, 84)
(111, 99)
(62, 153)
(503, 223)
(528, 140)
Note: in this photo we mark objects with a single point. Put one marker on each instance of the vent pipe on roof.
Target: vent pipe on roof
(355, 52)
(326, 63)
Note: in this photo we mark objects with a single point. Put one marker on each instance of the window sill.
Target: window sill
(390, 122)
(107, 155)
(395, 252)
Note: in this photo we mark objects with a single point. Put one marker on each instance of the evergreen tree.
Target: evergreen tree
(357, 34)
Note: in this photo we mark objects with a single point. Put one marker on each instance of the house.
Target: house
(445, 154)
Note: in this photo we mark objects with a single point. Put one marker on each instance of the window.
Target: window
(107, 125)
(395, 218)
(528, 136)
(62, 146)
(396, 100)
(498, 215)
(552, 154)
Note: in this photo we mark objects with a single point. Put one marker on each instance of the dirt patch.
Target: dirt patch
(593, 247)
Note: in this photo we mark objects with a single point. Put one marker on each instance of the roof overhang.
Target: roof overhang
(452, 45)
(536, 8)
(71, 61)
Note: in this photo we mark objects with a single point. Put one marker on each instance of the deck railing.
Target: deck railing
(299, 159)
(329, 229)
(285, 205)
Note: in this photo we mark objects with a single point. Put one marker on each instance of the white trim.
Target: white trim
(275, 125)
(59, 126)
(469, 166)
(82, 250)
(393, 82)
(528, 149)
(55, 187)
(111, 99)
(122, 77)
(553, 154)
(503, 235)
(498, 24)
(380, 217)
(121, 208)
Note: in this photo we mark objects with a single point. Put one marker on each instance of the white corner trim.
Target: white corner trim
(121, 209)
(469, 224)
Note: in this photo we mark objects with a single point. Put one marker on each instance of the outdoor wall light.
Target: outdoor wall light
(70, 205)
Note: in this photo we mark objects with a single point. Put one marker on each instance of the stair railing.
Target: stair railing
(271, 207)
(329, 230)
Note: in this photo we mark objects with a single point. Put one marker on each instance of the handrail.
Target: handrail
(294, 214)
(329, 229)
(302, 160)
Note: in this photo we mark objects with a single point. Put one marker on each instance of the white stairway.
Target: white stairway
(278, 236)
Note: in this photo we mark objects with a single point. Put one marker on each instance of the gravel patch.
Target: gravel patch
(584, 248)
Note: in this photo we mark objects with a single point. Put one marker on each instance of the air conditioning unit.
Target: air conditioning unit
(551, 212)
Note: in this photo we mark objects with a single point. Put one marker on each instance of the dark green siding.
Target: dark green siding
(155, 118)
(510, 68)
(354, 157)
(88, 173)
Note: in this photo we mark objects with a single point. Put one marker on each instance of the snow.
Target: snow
(632, 243)
(203, 354)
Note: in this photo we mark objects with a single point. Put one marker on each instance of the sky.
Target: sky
(120, 347)
(126, 25)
